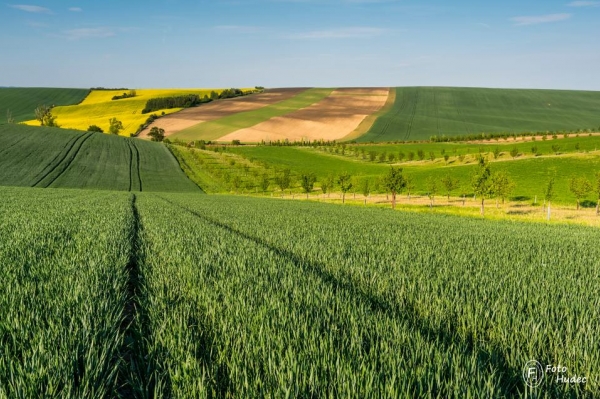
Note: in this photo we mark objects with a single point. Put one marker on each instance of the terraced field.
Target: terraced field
(218, 128)
(98, 107)
(332, 118)
(22, 101)
(179, 295)
(422, 112)
(187, 118)
(50, 157)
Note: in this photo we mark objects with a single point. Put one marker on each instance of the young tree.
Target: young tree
(401, 156)
(115, 126)
(450, 184)
(502, 186)
(345, 182)
(391, 157)
(461, 158)
(382, 157)
(431, 156)
(446, 158)
(497, 152)
(514, 152)
(327, 185)
(411, 156)
(43, 114)
(432, 188)
(157, 134)
(421, 155)
(481, 182)
(95, 128)
(556, 149)
(236, 182)
(580, 187)
(394, 182)
(307, 181)
(365, 187)
(264, 182)
(549, 193)
(9, 117)
(372, 156)
(283, 180)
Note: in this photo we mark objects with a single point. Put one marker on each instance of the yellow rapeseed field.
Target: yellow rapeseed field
(98, 107)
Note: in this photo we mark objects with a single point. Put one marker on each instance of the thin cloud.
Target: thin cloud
(584, 4)
(239, 28)
(540, 19)
(89, 33)
(75, 9)
(483, 25)
(30, 8)
(340, 33)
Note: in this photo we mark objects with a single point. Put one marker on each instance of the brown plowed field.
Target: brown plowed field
(173, 123)
(330, 119)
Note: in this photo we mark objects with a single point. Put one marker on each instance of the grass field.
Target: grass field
(422, 112)
(50, 157)
(179, 295)
(530, 174)
(213, 130)
(98, 107)
(22, 101)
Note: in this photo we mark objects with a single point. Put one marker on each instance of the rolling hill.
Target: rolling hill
(419, 113)
(50, 157)
(22, 101)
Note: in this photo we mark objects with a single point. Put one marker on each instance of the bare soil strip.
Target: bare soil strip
(330, 119)
(178, 121)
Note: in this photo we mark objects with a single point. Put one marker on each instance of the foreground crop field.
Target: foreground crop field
(217, 296)
(98, 107)
(22, 101)
(50, 157)
(421, 112)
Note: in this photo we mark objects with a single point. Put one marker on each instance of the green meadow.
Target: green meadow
(422, 112)
(22, 101)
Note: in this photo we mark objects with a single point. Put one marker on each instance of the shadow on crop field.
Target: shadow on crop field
(509, 378)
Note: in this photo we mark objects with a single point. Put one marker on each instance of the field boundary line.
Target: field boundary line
(60, 157)
(69, 158)
(511, 382)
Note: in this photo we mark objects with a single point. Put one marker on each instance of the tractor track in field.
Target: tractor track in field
(412, 117)
(68, 159)
(460, 115)
(396, 113)
(437, 112)
(510, 382)
(60, 157)
(135, 177)
(137, 375)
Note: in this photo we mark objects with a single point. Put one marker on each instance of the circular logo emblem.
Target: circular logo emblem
(533, 373)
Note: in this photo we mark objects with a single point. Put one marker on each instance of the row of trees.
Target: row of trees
(485, 184)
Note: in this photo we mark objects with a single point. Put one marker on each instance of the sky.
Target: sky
(300, 43)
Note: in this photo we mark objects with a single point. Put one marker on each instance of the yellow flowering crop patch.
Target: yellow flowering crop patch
(98, 107)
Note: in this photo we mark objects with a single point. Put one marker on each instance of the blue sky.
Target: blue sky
(285, 43)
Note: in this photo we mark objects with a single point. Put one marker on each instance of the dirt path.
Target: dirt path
(178, 121)
(330, 119)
